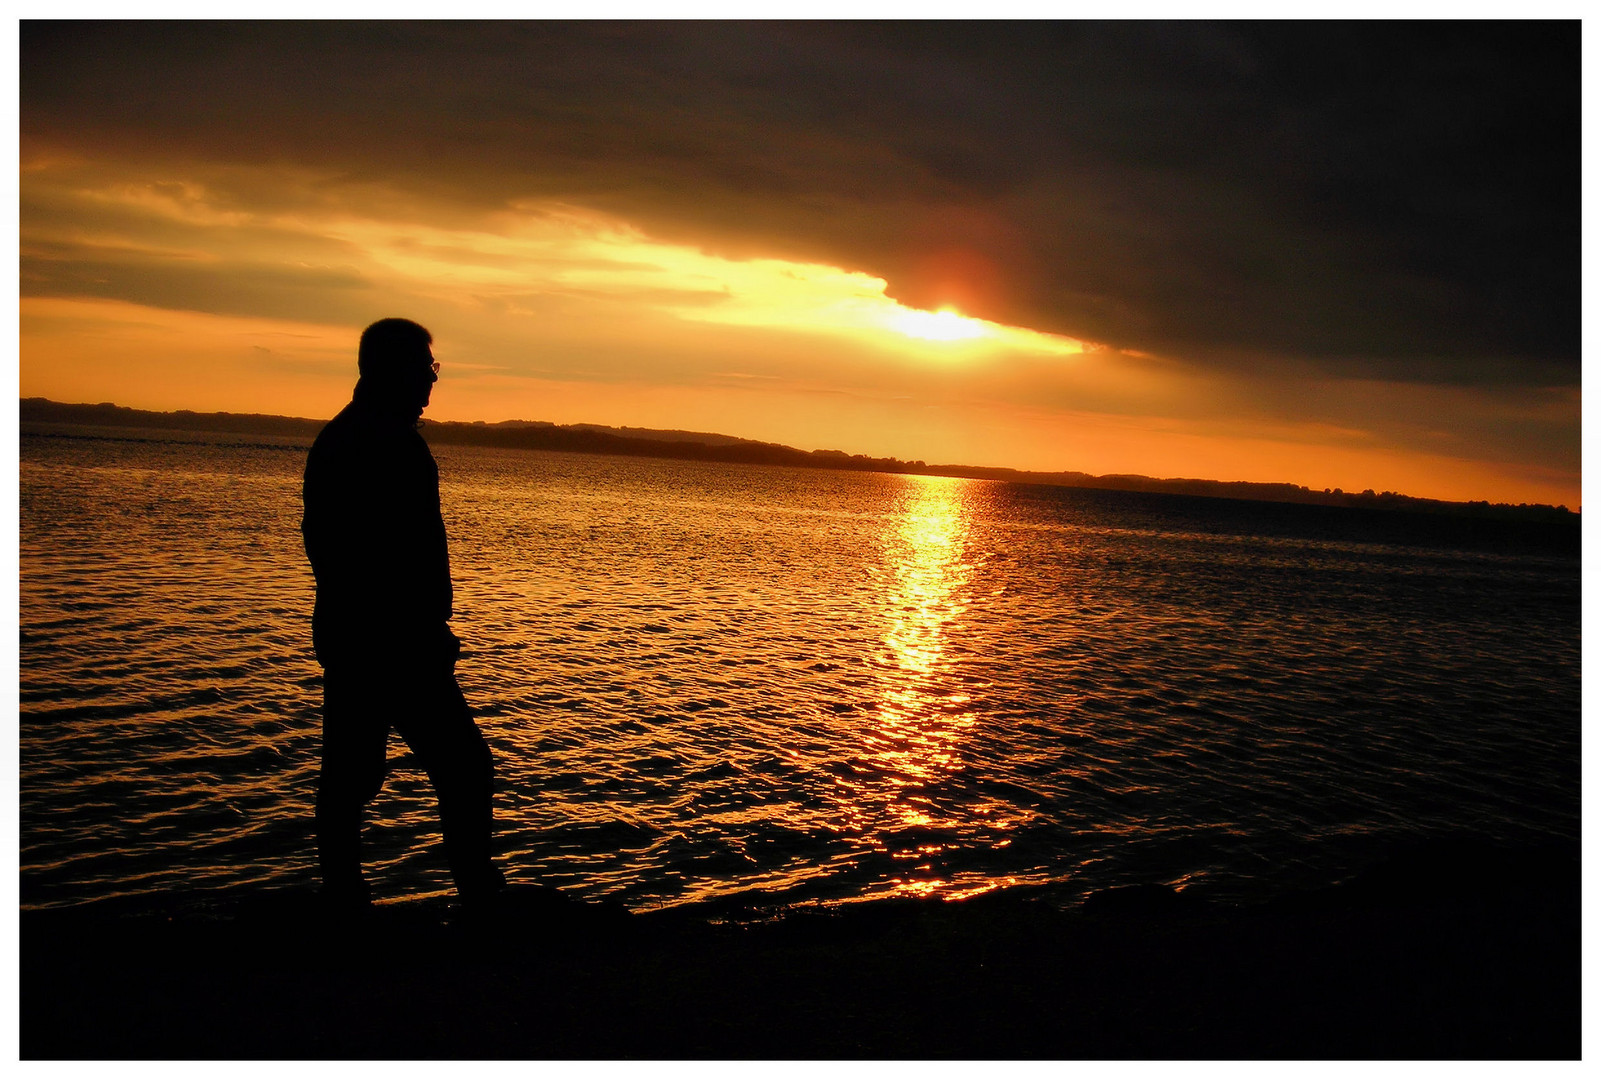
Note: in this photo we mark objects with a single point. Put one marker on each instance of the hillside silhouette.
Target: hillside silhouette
(706, 446)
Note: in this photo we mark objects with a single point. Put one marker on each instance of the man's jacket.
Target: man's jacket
(377, 545)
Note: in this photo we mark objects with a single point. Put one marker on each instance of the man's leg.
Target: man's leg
(439, 729)
(355, 728)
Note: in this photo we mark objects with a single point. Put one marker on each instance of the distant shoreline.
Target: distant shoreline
(706, 446)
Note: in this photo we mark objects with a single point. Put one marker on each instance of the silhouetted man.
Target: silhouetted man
(377, 547)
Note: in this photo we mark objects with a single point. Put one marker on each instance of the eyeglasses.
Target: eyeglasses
(434, 367)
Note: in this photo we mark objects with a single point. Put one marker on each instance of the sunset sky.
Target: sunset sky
(1336, 255)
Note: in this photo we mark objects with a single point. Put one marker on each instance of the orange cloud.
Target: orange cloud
(164, 292)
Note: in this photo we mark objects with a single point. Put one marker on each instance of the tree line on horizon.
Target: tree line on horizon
(598, 439)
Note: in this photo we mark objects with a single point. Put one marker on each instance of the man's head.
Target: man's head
(397, 366)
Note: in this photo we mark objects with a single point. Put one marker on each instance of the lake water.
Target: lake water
(702, 680)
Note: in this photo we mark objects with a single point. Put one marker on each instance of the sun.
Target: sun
(942, 325)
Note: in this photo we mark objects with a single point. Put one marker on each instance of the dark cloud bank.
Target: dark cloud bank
(1388, 200)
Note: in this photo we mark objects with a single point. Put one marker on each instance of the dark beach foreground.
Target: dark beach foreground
(1447, 951)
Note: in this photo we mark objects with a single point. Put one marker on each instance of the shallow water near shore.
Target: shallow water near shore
(705, 680)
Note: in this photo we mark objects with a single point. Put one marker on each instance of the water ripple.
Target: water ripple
(702, 679)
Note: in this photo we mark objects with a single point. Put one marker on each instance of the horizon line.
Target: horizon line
(1102, 481)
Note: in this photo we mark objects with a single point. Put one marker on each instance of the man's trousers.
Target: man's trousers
(426, 706)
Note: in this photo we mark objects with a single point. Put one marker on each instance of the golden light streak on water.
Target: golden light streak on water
(947, 890)
(921, 719)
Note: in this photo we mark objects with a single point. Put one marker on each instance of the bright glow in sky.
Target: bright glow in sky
(163, 291)
(559, 251)
(942, 325)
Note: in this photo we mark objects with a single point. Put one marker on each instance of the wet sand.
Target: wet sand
(1447, 952)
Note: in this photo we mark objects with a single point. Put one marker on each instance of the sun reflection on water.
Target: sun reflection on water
(927, 592)
(923, 712)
